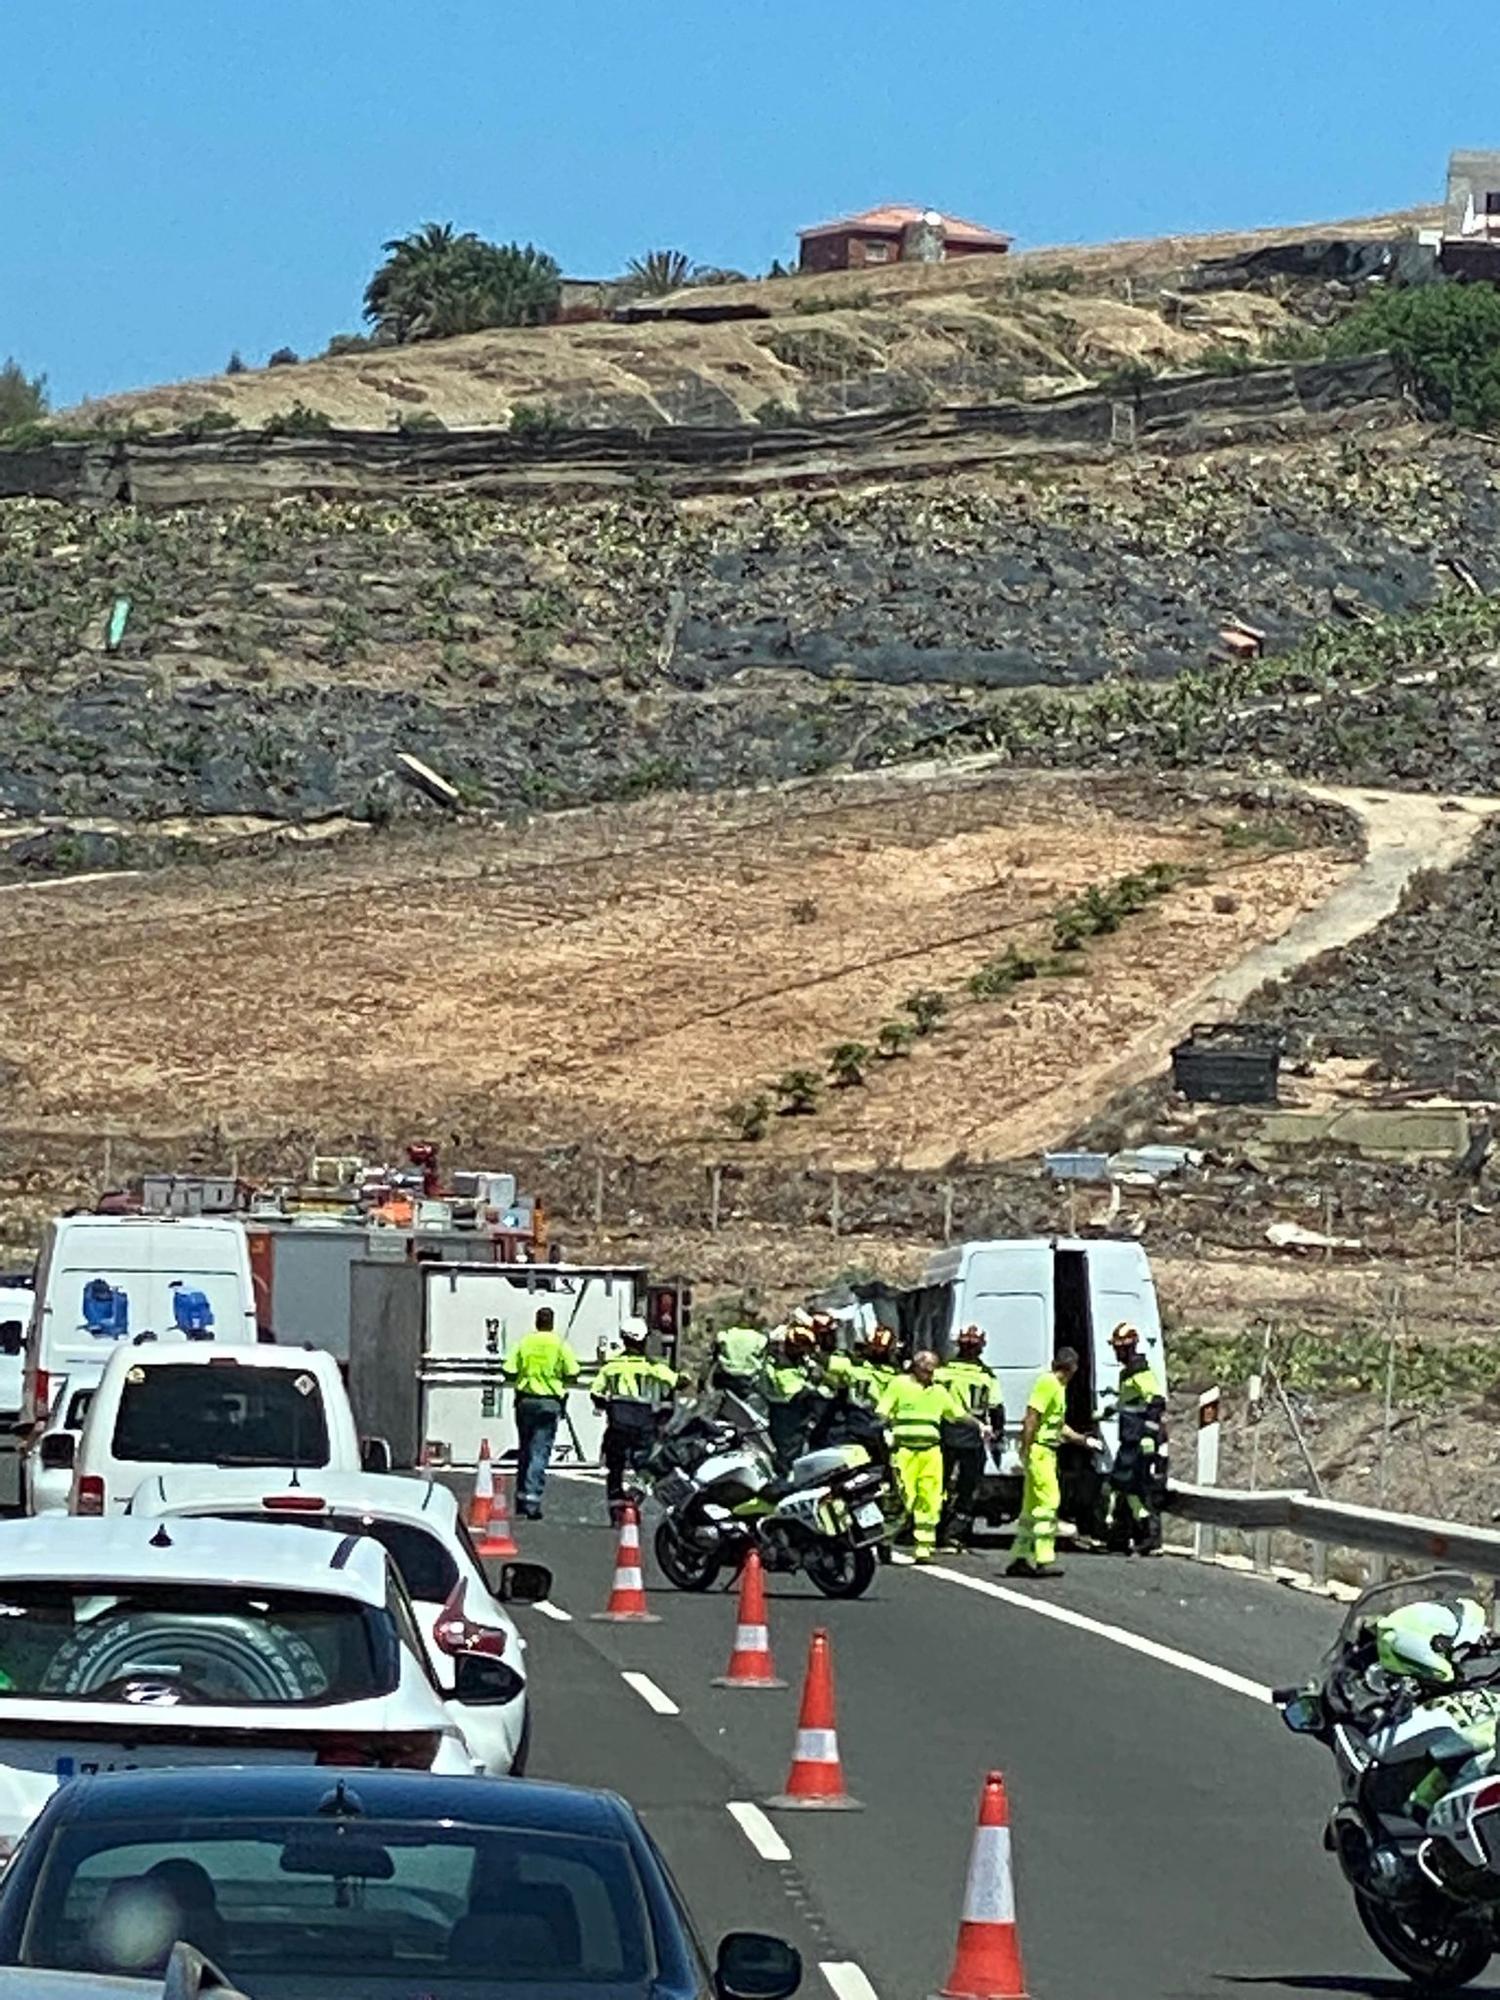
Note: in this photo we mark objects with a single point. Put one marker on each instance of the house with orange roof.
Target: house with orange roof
(897, 233)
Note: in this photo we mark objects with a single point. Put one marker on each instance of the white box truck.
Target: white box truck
(1030, 1297)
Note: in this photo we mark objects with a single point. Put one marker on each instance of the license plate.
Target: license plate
(869, 1515)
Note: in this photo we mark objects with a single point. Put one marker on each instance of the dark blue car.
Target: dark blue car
(388, 1885)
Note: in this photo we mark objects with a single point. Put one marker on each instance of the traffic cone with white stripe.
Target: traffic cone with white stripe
(627, 1595)
(816, 1782)
(482, 1500)
(987, 1962)
(496, 1539)
(750, 1664)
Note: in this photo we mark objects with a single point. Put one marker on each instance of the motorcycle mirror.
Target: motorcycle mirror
(1303, 1715)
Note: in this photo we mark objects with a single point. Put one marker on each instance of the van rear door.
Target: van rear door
(1007, 1290)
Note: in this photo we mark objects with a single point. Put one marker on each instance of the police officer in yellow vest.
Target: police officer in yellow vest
(977, 1387)
(1139, 1474)
(1045, 1428)
(739, 1354)
(539, 1369)
(916, 1407)
(636, 1395)
(786, 1387)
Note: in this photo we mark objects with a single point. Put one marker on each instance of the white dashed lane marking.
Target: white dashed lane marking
(651, 1694)
(758, 1830)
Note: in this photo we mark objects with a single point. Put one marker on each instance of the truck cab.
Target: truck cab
(1031, 1296)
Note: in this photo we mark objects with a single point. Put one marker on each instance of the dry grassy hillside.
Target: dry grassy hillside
(1031, 325)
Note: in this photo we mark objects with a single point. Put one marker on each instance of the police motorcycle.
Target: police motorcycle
(1407, 1701)
(714, 1477)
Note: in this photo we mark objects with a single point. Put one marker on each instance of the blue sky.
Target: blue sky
(185, 177)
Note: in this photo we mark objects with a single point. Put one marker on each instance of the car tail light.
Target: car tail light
(294, 1503)
(90, 1494)
(456, 1634)
(41, 1384)
(401, 1750)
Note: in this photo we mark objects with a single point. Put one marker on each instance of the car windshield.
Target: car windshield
(425, 1566)
(349, 1905)
(220, 1413)
(183, 1644)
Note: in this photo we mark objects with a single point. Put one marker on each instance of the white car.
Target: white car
(420, 1525)
(166, 1405)
(130, 1643)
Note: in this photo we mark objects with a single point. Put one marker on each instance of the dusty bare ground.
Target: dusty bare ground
(621, 976)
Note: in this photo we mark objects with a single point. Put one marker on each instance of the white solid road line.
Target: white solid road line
(651, 1694)
(1168, 1656)
(759, 1831)
(555, 1612)
(848, 1980)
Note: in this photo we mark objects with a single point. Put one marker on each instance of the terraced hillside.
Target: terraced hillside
(277, 658)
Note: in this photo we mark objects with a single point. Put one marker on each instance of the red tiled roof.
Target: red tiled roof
(892, 217)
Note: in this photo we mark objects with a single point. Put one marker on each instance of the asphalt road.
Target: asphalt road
(1166, 1827)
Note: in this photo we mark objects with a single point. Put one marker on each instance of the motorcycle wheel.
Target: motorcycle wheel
(1433, 1955)
(684, 1567)
(840, 1571)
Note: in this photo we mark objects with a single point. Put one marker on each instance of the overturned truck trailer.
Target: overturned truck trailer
(427, 1348)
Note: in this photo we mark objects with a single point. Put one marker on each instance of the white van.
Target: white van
(179, 1406)
(15, 1314)
(103, 1279)
(1030, 1297)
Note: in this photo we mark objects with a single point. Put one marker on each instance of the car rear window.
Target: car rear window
(220, 1413)
(170, 1645)
(425, 1566)
(371, 1907)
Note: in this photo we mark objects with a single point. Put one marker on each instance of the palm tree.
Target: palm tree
(657, 272)
(438, 282)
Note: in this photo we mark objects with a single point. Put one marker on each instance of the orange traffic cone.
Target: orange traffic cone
(750, 1664)
(627, 1595)
(817, 1777)
(987, 1963)
(497, 1539)
(482, 1500)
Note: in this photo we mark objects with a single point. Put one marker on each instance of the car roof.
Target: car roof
(274, 1791)
(174, 1349)
(130, 1548)
(386, 1495)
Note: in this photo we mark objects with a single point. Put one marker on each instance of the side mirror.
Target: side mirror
(480, 1678)
(524, 1583)
(374, 1455)
(755, 1966)
(59, 1451)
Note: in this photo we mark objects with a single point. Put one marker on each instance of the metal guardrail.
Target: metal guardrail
(1326, 1524)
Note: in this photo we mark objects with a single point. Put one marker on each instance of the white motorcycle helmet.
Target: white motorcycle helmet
(1420, 1640)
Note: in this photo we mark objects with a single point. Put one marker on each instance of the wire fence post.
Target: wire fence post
(598, 1193)
(835, 1206)
(715, 1190)
(947, 1211)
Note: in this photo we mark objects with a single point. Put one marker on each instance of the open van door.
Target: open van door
(1121, 1287)
(1007, 1290)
